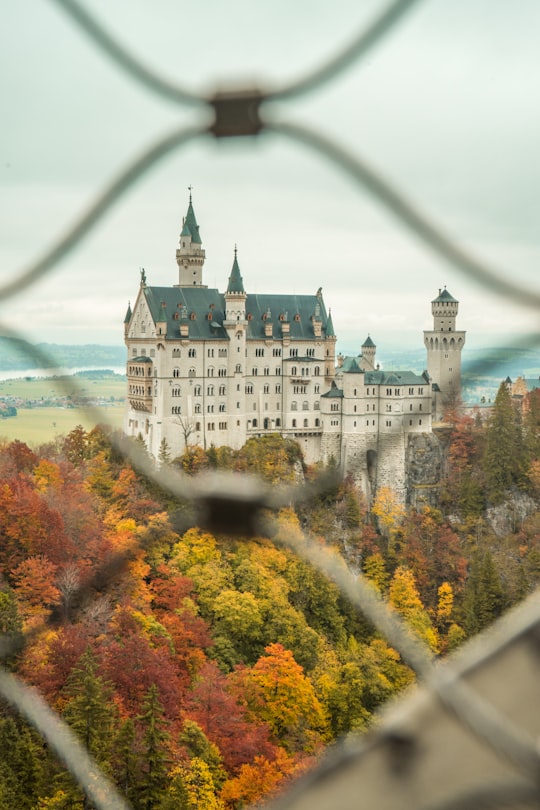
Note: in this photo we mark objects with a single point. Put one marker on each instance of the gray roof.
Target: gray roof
(395, 378)
(368, 343)
(190, 227)
(334, 391)
(205, 311)
(236, 283)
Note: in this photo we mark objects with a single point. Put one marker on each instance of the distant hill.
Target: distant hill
(14, 356)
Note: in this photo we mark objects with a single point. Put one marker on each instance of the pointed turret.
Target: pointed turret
(236, 283)
(330, 326)
(127, 319)
(235, 295)
(190, 255)
(444, 344)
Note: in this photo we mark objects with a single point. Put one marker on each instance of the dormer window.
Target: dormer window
(193, 316)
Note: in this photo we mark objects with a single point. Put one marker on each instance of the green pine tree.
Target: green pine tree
(504, 455)
(153, 779)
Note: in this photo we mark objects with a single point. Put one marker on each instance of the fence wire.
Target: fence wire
(216, 500)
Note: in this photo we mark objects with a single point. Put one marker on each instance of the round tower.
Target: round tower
(444, 345)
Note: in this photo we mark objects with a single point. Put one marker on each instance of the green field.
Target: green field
(44, 387)
(37, 426)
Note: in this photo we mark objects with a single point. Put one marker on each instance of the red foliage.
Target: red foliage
(224, 720)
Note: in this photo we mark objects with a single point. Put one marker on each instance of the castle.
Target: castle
(209, 368)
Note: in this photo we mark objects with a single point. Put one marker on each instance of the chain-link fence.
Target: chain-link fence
(468, 736)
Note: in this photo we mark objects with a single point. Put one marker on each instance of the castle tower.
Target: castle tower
(444, 345)
(368, 354)
(190, 253)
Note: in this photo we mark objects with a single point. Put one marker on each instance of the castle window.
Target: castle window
(223, 425)
(197, 391)
(411, 390)
(176, 353)
(388, 423)
(278, 422)
(419, 421)
(222, 390)
(294, 406)
(210, 390)
(354, 408)
(222, 372)
(192, 353)
(193, 317)
(420, 407)
(388, 407)
(191, 372)
(293, 352)
(310, 352)
(176, 372)
(197, 408)
(293, 371)
(254, 372)
(305, 405)
(354, 392)
(388, 392)
(211, 425)
(176, 392)
(238, 369)
(410, 408)
(210, 351)
(210, 372)
(278, 389)
(254, 423)
(267, 371)
(266, 389)
(259, 352)
(317, 422)
(222, 407)
(210, 409)
(316, 371)
(316, 406)
(410, 421)
(397, 392)
(317, 389)
(277, 352)
(223, 352)
(297, 317)
(305, 422)
(278, 371)
(334, 406)
(294, 423)
(374, 423)
(367, 422)
(249, 389)
(420, 390)
(134, 352)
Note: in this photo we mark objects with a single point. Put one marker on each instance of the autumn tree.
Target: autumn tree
(404, 597)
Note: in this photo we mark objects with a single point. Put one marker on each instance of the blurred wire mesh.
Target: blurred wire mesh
(462, 707)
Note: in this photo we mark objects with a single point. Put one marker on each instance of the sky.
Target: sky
(446, 108)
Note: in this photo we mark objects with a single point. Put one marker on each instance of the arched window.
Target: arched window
(197, 391)
(176, 353)
(294, 406)
(192, 353)
(210, 390)
(176, 372)
(197, 408)
(254, 423)
(305, 422)
(192, 373)
(305, 405)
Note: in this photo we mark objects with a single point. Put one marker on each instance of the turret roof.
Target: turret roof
(236, 284)
(128, 314)
(368, 343)
(444, 295)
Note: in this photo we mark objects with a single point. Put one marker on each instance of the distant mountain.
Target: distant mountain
(15, 356)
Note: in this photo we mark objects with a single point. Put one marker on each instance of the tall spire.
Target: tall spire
(189, 225)
(236, 284)
(330, 326)
(190, 254)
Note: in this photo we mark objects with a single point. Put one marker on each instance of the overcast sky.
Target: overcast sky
(447, 108)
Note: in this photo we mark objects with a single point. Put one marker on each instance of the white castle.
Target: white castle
(209, 368)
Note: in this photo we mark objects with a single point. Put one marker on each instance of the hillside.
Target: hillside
(13, 355)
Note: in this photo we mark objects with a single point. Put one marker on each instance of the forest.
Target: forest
(210, 671)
